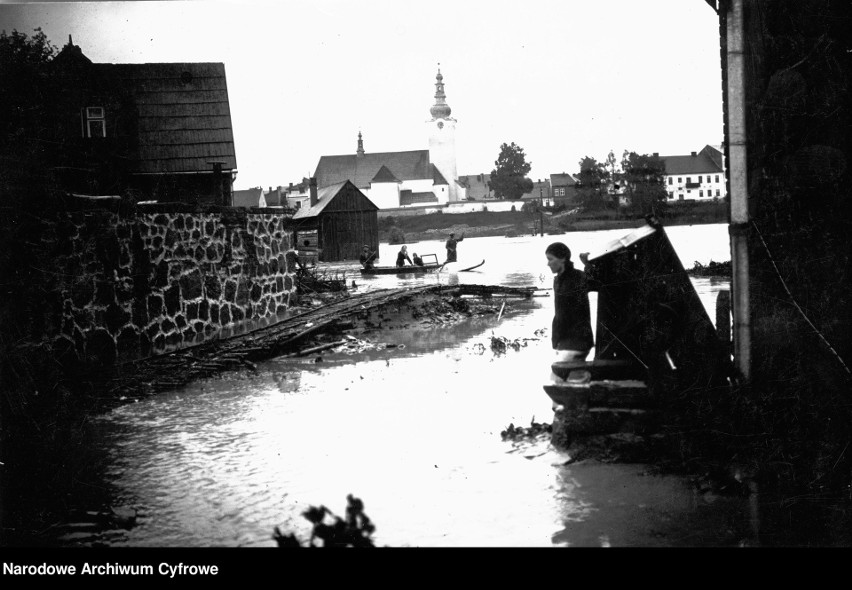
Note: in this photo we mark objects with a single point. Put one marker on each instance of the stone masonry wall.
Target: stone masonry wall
(106, 286)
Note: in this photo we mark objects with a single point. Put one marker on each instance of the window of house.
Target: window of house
(717, 192)
(94, 124)
(680, 179)
(671, 195)
(717, 178)
(708, 178)
(700, 193)
(670, 179)
(688, 180)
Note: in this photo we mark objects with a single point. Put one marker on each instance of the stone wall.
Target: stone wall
(106, 286)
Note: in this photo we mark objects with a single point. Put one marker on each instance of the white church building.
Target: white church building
(421, 179)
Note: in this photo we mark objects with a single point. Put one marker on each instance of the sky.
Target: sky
(563, 79)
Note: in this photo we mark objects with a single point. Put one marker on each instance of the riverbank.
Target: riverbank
(414, 228)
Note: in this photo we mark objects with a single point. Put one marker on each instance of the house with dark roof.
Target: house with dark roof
(157, 131)
(700, 176)
(338, 222)
(415, 178)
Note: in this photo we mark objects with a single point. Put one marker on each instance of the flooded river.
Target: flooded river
(413, 430)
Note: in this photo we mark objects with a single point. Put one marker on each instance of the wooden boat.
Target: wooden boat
(430, 263)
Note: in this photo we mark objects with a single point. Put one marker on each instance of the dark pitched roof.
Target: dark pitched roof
(384, 175)
(361, 170)
(325, 196)
(700, 163)
(562, 180)
(248, 197)
(184, 117)
(714, 152)
(437, 177)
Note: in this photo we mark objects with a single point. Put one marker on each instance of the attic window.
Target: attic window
(94, 123)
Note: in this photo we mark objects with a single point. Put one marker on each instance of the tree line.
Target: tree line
(635, 185)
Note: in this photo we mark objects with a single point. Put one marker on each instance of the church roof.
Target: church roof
(384, 175)
(437, 177)
(362, 169)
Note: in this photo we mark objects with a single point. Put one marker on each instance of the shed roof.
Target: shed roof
(325, 196)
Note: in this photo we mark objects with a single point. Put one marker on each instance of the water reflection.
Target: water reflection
(413, 430)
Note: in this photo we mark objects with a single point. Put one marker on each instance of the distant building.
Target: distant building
(541, 192)
(252, 197)
(699, 176)
(564, 188)
(414, 178)
(160, 131)
(476, 187)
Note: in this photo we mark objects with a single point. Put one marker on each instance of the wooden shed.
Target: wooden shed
(341, 219)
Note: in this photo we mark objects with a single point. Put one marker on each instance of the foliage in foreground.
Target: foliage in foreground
(331, 530)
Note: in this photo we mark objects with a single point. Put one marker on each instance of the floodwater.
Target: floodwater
(413, 430)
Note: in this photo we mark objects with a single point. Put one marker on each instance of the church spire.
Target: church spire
(360, 151)
(440, 110)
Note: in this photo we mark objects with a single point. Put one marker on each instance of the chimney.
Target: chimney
(313, 184)
(694, 154)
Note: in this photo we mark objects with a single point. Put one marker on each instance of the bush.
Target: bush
(396, 236)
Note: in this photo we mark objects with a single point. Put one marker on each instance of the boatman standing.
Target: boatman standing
(368, 259)
(451, 247)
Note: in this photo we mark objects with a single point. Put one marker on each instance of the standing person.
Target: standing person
(572, 327)
(402, 256)
(368, 258)
(451, 247)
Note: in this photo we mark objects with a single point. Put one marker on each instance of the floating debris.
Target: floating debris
(516, 433)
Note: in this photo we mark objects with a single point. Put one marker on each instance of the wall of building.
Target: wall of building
(384, 195)
(712, 186)
(104, 286)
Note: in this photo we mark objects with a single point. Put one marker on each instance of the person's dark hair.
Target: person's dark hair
(559, 250)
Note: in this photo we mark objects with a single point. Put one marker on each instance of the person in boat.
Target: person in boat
(417, 260)
(402, 256)
(452, 255)
(368, 258)
(571, 335)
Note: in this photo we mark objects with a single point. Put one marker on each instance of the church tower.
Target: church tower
(442, 138)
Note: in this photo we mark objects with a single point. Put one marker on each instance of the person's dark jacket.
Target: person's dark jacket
(401, 258)
(368, 260)
(572, 326)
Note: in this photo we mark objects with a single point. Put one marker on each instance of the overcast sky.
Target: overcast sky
(561, 78)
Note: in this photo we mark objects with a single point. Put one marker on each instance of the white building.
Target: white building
(699, 176)
(418, 178)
